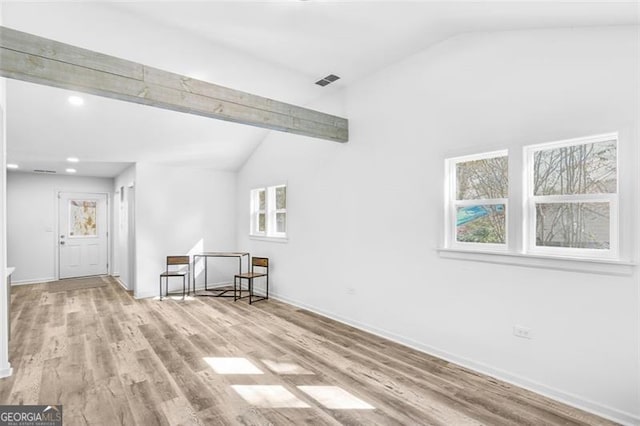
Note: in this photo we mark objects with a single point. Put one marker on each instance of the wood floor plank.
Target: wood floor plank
(106, 404)
(179, 412)
(155, 375)
(145, 405)
(198, 395)
(26, 387)
(105, 355)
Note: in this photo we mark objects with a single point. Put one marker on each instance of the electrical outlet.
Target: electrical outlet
(521, 331)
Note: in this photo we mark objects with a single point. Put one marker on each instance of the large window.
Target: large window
(269, 212)
(572, 197)
(478, 192)
(568, 205)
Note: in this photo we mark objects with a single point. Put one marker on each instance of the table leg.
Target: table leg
(234, 280)
(193, 278)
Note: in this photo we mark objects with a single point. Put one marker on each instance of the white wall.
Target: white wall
(5, 366)
(182, 211)
(122, 187)
(32, 212)
(368, 215)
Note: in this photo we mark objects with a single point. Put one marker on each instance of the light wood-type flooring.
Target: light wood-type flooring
(110, 359)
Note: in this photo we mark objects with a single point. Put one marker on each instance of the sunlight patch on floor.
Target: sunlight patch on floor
(228, 365)
(285, 367)
(269, 396)
(175, 296)
(335, 398)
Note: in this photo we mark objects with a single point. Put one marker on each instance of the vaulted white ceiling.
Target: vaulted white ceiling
(276, 49)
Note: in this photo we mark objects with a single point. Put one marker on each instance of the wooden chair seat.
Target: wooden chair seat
(251, 275)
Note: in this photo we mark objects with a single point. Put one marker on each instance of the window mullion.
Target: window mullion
(574, 198)
(480, 202)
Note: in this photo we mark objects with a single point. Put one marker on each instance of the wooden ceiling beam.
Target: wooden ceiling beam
(39, 60)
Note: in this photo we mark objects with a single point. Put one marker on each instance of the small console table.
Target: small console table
(220, 292)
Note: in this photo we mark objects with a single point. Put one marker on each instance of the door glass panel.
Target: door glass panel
(82, 218)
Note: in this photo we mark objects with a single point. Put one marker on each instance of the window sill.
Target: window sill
(597, 266)
(269, 239)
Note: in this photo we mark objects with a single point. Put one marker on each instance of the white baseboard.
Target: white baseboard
(145, 295)
(33, 281)
(6, 372)
(123, 285)
(568, 398)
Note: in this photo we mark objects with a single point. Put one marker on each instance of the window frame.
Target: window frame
(530, 200)
(270, 211)
(452, 204)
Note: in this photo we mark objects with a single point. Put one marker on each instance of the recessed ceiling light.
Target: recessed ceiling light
(76, 100)
(12, 166)
(70, 170)
(73, 159)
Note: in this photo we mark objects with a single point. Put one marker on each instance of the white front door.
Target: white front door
(82, 240)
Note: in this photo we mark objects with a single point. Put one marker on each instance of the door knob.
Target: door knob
(61, 243)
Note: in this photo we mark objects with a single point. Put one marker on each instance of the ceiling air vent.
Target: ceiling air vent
(44, 171)
(327, 80)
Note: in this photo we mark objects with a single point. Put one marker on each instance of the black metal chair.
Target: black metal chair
(261, 262)
(168, 273)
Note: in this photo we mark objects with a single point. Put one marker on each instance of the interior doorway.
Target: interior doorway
(82, 234)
